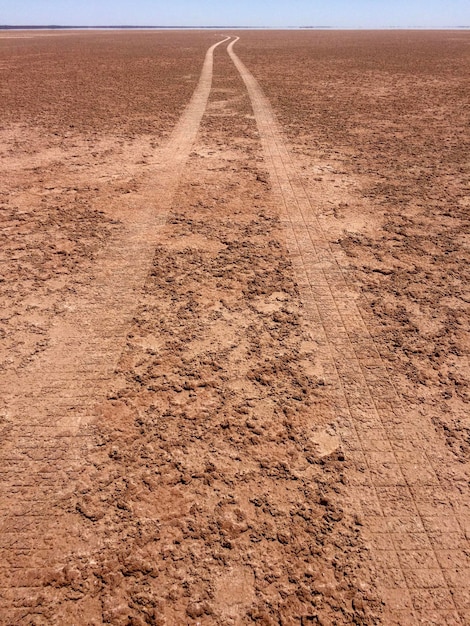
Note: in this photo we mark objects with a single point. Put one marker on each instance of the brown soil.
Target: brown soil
(383, 118)
(231, 365)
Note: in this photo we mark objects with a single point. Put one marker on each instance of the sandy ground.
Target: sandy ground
(235, 337)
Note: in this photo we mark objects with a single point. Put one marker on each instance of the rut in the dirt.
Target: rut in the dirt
(47, 398)
(409, 494)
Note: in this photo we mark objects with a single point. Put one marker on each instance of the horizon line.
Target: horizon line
(218, 27)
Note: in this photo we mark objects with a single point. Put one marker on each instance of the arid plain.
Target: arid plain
(234, 318)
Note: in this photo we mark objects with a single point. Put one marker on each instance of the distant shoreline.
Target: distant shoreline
(131, 27)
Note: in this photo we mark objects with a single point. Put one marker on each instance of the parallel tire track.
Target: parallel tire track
(46, 402)
(414, 514)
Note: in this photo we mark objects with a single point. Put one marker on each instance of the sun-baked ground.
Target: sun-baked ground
(384, 118)
(211, 486)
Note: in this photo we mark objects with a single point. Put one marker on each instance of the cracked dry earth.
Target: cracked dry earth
(208, 415)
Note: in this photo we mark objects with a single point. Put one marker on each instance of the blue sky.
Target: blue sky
(273, 13)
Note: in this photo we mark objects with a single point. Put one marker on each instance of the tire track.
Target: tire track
(48, 401)
(415, 514)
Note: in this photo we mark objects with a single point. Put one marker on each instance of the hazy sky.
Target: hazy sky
(274, 13)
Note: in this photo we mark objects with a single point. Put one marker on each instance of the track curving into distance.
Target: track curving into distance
(51, 397)
(415, 515)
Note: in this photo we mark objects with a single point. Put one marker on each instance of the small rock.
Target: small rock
(195, 609)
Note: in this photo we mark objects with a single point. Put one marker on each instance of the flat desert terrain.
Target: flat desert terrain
(234, 375)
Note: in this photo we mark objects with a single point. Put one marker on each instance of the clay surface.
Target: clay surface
(234, 360)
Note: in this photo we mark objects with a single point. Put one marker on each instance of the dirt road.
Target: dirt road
(209, 432)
